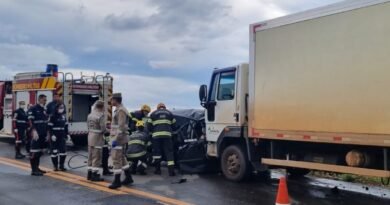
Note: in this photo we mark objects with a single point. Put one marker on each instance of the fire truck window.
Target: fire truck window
(8, 104)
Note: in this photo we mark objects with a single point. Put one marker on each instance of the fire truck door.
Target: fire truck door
(7, 112)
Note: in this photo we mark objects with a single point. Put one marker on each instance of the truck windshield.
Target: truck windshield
(226, 88)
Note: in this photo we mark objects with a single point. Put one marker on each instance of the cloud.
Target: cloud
(139, 42)
(163, 64)
(138, 90)
(28, 56)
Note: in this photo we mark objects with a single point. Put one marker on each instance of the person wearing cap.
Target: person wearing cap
(38, 124)
(137, 147)
(58, 130)
(19, 124)
(162, 125)
(119, 138)
(139, 115)
(96, 131)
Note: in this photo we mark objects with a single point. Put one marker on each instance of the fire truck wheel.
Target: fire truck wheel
(234, 165)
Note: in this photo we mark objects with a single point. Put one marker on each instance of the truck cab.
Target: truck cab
(225, 103)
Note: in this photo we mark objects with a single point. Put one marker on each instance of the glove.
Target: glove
(53, 138)
(106, 138)
(16, 131)
(114, 144)
(35, 135)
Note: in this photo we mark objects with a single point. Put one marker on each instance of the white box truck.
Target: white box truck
(313, 97)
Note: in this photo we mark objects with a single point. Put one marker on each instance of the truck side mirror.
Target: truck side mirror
(203, 95)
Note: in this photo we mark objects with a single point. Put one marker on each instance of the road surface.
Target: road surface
(18, 187)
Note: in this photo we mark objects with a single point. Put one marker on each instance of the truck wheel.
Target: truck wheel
(297, 172)
(234, 164)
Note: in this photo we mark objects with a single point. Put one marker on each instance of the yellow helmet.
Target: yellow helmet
(140, 123)
(145, 108)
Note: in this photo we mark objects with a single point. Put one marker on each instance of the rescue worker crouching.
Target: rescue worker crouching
(137, 149)
(119, 139)
(38, 123)
(58, 129)
(19, 122)
(162, 125)
(96, 132)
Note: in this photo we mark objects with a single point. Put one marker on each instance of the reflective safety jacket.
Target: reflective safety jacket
(20, 119)
(38, 117)
(58, 125)
(138, 144)
(162, 123)
(135, 117)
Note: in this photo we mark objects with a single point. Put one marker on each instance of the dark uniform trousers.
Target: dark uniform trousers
(20, 124)
(162, 123)
(58, 127)
(38, 117)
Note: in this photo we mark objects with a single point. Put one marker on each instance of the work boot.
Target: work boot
(34, 170)
(18, 154)
(96, 177)
(89, 176)
(38, 161)
(128, 180)
(157, 171)
(171, 171)
(54, 159)
(62, 162)
(116, 183)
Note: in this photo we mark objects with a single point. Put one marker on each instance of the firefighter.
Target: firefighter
(58, 129)
(38, 122)
(137, 149)
(20, 125)
(139, 115)
(162, 126)
(52, 105)
(119, 139)
(96, 131)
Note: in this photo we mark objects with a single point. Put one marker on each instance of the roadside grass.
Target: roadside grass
(352, 178)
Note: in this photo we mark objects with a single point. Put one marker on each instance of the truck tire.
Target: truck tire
(234, 164)
(297, 172)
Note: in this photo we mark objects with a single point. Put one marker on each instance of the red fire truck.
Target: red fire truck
(78, 95)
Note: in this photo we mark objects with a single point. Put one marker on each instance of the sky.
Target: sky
(156, 50)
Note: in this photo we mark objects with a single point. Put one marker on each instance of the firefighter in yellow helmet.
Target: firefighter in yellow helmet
(137, 148)
(162, 125)
(139, 115)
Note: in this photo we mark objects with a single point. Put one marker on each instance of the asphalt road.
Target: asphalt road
(19, 187)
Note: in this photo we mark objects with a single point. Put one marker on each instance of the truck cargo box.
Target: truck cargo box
(323, 73)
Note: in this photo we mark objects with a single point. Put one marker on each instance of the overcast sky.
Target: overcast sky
(157, 50)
